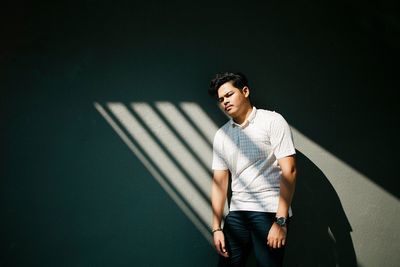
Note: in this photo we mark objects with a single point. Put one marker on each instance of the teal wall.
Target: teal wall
(73, 194)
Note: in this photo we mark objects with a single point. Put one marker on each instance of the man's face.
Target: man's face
(231, 99)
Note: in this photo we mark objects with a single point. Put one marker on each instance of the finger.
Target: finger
(283, 242)
(224, 254)
(221, 249)
(222, 244)
(224, 251)
(270, 240)
(272, 244)
(218, 247)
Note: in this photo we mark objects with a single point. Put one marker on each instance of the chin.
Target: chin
(230, 113)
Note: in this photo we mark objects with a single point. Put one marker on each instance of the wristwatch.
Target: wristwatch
(281, 221)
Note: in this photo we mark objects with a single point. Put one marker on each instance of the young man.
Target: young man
(255, 151)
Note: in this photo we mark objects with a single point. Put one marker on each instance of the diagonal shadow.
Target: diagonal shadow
(319, 230)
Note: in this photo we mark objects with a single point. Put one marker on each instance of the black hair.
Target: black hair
(237, 79)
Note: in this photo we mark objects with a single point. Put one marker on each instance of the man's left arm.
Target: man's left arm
(277, 234)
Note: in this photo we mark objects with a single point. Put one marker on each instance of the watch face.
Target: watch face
(281, 221)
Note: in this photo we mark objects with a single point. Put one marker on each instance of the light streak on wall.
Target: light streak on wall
(186, 131)
(201, 119)
(174, 146)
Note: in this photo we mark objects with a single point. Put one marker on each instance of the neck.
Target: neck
(241, 118)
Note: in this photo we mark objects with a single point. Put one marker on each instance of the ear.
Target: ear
(246, 91)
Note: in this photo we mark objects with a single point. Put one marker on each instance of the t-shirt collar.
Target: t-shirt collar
(247, 121)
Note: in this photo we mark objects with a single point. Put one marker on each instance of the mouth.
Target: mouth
(228, 107)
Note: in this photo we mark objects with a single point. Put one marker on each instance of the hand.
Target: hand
(219, 243)
(276, 236)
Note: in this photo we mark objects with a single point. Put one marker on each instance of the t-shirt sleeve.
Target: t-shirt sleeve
(281, 138)
(218, 162)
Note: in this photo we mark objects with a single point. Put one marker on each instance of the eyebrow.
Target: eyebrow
(219, 98)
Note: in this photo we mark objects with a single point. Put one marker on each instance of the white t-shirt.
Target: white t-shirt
(251, 152)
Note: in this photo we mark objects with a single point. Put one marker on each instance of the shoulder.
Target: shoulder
(269, 115)
(272, 121)
(225, 127)
(223, 130)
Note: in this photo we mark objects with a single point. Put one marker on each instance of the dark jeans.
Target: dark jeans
(247, 230)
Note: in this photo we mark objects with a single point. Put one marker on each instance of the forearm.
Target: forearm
(285, 196)
(218, 198)
(287, 188)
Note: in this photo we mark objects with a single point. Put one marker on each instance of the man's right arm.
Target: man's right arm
(219, 191)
